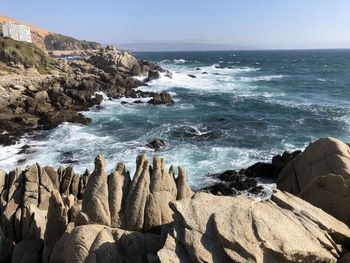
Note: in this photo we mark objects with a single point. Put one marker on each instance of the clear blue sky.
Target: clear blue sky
(253, 23)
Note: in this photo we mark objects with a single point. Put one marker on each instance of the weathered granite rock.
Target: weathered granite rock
(209, 228)
(322, 157)
(97, 243)
(162, 191)
(57, 221)
(138, 194)
(95, 202)
(118, 187)
(330, 193)
(111, 60)
(183, 190)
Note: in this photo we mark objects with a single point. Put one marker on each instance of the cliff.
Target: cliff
(52, 41)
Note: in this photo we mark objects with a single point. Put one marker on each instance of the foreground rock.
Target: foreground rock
(155, 217)
(240, 229)
(320, 176)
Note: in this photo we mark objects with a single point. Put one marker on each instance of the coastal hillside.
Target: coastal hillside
(52, 41)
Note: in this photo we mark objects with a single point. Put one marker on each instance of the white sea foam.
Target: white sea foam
(179, 61)
(261, 78)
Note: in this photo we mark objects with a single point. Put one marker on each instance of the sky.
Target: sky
(258, 24)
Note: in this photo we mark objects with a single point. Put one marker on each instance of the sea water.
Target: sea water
(242, 107)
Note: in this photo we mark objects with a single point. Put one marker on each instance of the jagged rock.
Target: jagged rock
(322, 157)
(183, 190)
(95, 202)
(162, 192)
(67, 177)
(28, 251)
(82, 184)
(209, 228)
(53, 175)
(57, 221)
(2, 180)
(31, 178)
(137, 196)
(118, 187)
(161, 98)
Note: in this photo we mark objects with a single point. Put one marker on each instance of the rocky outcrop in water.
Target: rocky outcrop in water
(31, 101)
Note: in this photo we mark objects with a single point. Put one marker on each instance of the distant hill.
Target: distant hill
(178, 46)
(52, 41)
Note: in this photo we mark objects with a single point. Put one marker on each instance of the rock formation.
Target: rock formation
(320, 175)
(209, 228)
(155, 217)
(46, 92)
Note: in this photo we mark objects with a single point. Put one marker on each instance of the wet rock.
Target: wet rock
(152, 75)
(156, 144)
(25, 149)
(51, 120)
(191, 76)
(161, 98)
(231, 183)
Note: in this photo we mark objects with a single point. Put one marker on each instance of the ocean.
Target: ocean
(242, 107)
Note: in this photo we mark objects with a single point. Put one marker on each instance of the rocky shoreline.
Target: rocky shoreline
(59, 216)
(31, 101)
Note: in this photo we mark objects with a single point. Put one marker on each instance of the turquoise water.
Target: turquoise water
(249, 106)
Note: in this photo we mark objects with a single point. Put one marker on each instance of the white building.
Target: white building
(17, 32)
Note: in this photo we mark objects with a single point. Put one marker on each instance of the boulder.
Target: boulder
(152, 75)
(156, 144)
(322, 157)
(330, 193)
(161, 98)
(209, 228)
(112, 60)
